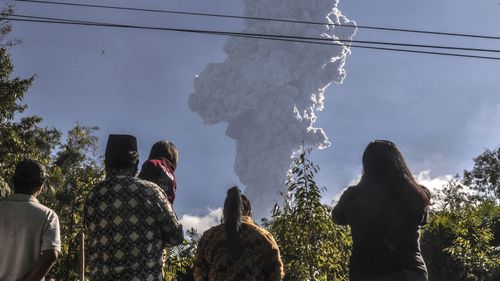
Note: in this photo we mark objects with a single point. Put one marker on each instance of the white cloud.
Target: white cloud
(202, 223)
(433, 184)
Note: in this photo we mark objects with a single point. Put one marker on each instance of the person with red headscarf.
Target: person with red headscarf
(160, 167)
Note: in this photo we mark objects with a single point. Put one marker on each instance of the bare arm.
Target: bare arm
(42, 265)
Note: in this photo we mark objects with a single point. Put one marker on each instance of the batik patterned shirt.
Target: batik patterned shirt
(259, 259)
(129, 222)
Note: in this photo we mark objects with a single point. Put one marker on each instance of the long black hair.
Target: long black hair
(385, 168)
(233, 211)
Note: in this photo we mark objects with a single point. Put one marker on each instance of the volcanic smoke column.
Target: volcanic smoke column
(268, 91)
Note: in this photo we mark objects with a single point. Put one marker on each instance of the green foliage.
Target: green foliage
(74, 170)
(179, 262)
(461, 240)
(311, 245)
(23, 138)
(484, 177)
(72, 167)
(458, 245)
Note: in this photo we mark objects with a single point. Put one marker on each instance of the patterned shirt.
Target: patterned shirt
(129, 222)
(259, 260)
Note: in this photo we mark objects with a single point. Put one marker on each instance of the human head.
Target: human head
(384, 164)
(165, 149)
(383, 160)
(121, 152)
(29, 177)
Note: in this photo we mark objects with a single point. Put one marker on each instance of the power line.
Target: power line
(311, 40)
(265, 19)
(326, 39)
(235, 34)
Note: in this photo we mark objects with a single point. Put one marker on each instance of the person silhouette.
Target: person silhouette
(385, 211)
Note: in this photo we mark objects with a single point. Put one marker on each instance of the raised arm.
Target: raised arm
(171, 229)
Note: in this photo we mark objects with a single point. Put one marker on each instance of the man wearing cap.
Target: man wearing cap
(29, 232)
(129, 221)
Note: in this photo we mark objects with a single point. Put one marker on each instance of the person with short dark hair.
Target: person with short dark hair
(237, 249)
(160, 167)
(385, 211)
(30, 240)
(129, 221)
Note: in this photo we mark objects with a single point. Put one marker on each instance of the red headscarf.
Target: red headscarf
(161, 172)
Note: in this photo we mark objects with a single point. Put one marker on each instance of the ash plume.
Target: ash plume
(269, 92)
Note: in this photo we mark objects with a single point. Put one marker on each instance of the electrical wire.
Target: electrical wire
(324, 39)
(430, 32)
(233, 34)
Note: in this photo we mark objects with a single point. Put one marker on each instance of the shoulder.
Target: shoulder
(211, 237)
(348, 194)
(214, 231)
(48, 211)
(351, 190)
(341, 210)
(258, 229)
(263, 234)
(44, 211)
(148, 186)
(143, 183)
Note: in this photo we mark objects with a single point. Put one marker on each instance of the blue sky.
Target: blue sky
(441, 111)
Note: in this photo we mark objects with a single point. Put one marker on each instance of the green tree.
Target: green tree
(484, 178)
(73, 166)
(311, 245)
(461, 240)
(458, 245)
(74, 170)
(24, 137)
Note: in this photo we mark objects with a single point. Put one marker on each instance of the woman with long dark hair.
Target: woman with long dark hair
(385, 211)
(237, 249)
(160, 167)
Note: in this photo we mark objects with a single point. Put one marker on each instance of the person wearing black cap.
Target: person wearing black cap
(128, 221)
(29, 232)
